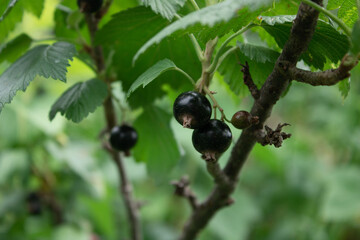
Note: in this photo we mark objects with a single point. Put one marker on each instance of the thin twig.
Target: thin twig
(249, 81)
(125, 186)
(182, 189)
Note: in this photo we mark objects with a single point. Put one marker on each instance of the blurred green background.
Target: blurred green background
(307, 189)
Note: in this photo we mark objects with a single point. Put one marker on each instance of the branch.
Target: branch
(215, 171)
(249, 81)
(182, 189)
(277, 82)
(325, 78)
(125, 186)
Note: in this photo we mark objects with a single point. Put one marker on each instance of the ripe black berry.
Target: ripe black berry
(123, 138)
(212, 139)
(243, 119)
(89, 6)
(34, 205)
(192, 109)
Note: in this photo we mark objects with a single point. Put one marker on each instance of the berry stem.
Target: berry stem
(215, 104)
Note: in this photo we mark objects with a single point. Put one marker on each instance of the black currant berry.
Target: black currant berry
(34, 205)
(212, 139)
(192, 109)
(123, 138)
(243, 119)
(89, 6)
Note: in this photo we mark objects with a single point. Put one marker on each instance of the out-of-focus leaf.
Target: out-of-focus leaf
(101, 212)
(15, 48)
(342, 196)
(70, 232)
(34, 6)
(208, 16)
(326, 41)
(227, 225)
(61, 28)
(12, 164)
(151, 74)
(44, 60)
(355, 39)
(344, 87)
(11, 202)
(166, 8)
(74, 19)
(162, 154)
(79, 100)
(12, 14)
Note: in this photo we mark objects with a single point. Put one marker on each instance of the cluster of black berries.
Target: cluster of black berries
(89, 6)
(123, 138)
(211, 137)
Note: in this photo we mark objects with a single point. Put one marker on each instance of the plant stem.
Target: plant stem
(186, 75)
(214, 64)
(195, 43)
(215, 103)
(227, 53)
(131, 205)
(193, 2)
(197, 47)
(341, 24)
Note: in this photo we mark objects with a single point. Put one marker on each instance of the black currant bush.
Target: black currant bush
(136, 62)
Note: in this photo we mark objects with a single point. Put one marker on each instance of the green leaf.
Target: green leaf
(259, 70)
(347, 10)
(208, 16)
(244, 17)
(272, 20)
(122, 35)
(344, 87)
(34, 6)
(15, 48)
(79, 100)
(355, 39)
(12, 14)
(341, 201)
(151, 74)
(258, 53)
(44, 60)
(162, 154)
(326, 41)
(61, 28)
(10, 6)
(166, 8)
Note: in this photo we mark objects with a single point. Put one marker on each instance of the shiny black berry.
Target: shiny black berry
(89, 6)
(212, 139)
(192, 109)
(243, 119)
(34, 205)
(123, 138)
